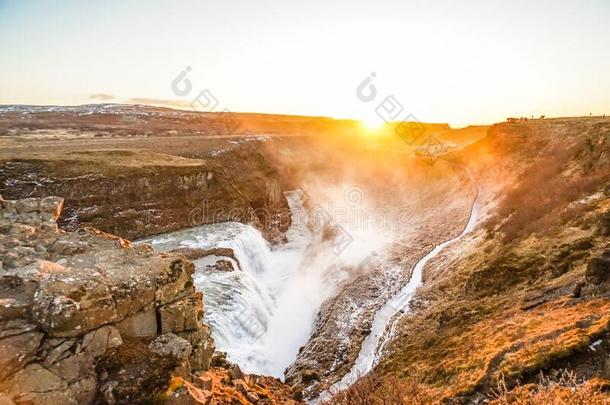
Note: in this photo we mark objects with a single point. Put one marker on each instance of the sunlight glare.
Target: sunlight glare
(372, 126)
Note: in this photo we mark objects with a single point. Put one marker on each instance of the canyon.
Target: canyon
(151, 254)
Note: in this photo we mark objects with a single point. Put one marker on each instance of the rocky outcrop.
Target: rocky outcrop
(222, 385)
(86, 316)
(597, 275)
(221, 265)
(136, 194)
(198, 253)
(598, 269)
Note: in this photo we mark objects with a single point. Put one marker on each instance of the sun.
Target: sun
(372, 125)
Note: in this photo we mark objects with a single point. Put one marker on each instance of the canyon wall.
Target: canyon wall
(86, 315)
(518, 309)
(136, 194)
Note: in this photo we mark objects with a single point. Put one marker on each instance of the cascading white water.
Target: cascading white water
(264, 312)
(238, 304)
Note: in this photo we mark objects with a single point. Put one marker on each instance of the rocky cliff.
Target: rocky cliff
(72, 302)
(88, 317)
(136, 193)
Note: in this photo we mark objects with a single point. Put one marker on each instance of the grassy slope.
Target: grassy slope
(513, 299)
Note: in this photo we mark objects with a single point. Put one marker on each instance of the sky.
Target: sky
(462, 62)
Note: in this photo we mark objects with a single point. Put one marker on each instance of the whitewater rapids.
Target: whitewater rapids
(264, 311)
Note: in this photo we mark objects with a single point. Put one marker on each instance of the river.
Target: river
(384, 324)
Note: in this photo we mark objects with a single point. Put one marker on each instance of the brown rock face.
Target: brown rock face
(229, 386)
(69, 302)
(182, 315)
(221, 265)
(198, 253)
(597, 274)
(141, 324)
(138, 194)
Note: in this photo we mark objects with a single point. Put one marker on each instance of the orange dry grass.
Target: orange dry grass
(221, 392)
(514, 343)
(373, 390)
(539, 354)
(541, 198)
(566, 391)
(215, 386)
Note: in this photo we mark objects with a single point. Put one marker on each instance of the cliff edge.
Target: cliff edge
(87, 317)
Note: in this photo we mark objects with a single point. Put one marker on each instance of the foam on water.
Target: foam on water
(264, 312)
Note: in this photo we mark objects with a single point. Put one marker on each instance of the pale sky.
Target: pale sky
(462, 62)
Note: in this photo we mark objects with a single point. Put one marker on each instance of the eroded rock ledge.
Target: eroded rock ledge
(135, 194)
(87, 317)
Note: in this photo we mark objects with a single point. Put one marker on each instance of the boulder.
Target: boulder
(35, 384)
(18, 257)
(198, 253)
(235, 372)
(16, 351)
(219, 359)
(71, 306)
(221, 265)
(52, 206)
(54, 350)
(99, 341)
(174, 280)
(133, 296)
(598, 269)
(172, 347)
(203, 346)
(134, 374)
(27, 205)
(67, 247)
(80, 361)
(18, 326)
(182, 315)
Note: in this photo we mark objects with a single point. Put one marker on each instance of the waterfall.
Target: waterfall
(250, 248)
(262, 313)
(239, 304)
